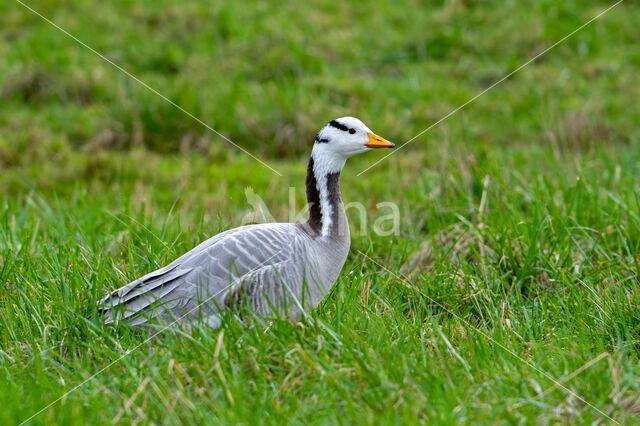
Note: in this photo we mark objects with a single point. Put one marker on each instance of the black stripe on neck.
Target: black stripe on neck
(313, 200)
(316, 215)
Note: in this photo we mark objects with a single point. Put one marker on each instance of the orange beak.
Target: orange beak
(376, 141)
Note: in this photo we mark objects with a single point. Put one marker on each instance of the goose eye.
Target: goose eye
(352, 131)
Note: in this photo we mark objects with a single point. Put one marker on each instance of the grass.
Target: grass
(520, 228)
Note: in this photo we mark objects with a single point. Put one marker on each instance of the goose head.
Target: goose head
(342, 138)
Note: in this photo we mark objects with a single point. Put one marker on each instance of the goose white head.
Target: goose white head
(342, 138)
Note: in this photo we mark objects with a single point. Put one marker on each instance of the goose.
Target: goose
(272, 268)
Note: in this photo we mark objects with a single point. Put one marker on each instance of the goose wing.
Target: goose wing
(278, 287)
(199, 282)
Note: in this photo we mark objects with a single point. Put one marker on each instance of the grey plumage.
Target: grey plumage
(268, 265)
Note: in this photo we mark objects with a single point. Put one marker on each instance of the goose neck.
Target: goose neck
(326, 211)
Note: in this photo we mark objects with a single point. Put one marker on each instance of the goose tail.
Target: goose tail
(143, 299)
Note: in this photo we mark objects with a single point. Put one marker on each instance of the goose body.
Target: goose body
(270, 268)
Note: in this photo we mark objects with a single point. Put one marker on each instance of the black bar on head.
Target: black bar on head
(337, 125)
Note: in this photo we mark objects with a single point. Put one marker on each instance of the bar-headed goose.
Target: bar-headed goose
(270, 268)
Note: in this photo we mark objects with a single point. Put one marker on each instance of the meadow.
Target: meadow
(510, 296)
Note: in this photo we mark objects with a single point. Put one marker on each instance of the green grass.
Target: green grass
(519, 245)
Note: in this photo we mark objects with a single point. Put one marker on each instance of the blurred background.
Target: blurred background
(269, 74)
